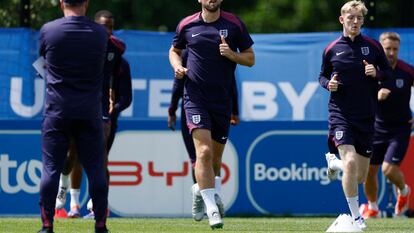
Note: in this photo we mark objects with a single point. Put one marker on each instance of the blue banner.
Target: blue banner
(283, 85)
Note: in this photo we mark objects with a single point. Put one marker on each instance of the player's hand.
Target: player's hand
(333, 83)
(171, 122)
(370, 69)
(180, 72)
(234, 119)
(225, 50)
(383, 94)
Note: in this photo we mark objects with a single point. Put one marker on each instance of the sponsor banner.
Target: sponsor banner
(151, 175)
(268, 168)
(282, 86)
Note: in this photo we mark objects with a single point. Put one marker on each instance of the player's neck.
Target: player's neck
(209, 16)
(74, 11)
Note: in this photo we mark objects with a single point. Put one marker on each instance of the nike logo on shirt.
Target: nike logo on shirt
(194, 35)
(337, 54)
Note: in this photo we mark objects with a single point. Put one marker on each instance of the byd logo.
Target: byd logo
(130, 173)
(8, 167)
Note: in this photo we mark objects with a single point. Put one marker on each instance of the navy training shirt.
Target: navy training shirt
(115, 49)
(395, 110)
(355, 100)
(123, 88)
(74, 48)
(210, 74)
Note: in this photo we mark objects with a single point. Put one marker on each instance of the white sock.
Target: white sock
(404, 192)
(353, 204)
(64, 181)
(209, 201)
(196, 189)
(89, 206)
(217, 183)
(373, 205)
(337, 164)
(74, 197)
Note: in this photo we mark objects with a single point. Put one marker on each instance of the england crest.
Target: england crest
(339, 135)
(399, 83)
(223, 33)
(196, 119)
(110, 56)
(365, 50)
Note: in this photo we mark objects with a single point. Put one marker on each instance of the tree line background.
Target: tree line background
(260, 16)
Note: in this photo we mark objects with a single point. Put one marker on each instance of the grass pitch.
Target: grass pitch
(161, 225)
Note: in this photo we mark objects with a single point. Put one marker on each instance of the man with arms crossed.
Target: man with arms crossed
(74, 48)
(392, 129)
(351, 68)
(213, 38)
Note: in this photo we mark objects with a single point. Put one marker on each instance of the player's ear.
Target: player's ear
(341, 19)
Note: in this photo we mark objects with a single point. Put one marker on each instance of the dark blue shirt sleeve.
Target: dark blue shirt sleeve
(177, 93)
(235, 99)
(326, 71)
(244, 40)
(124, 89)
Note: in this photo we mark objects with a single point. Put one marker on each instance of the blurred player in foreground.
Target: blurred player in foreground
(116, 96)
(74, 48)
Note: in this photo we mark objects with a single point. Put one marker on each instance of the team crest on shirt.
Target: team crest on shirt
(110, 56)
(365, 50)
(224, 33)
(339, 135)
(196, 119)
(399, 83)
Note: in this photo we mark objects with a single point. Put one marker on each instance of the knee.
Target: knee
(204, 153)
(388, 169)
(350, 166)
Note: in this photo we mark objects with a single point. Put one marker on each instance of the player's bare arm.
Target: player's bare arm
(176, 62)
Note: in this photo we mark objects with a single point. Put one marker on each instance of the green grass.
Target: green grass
(160, 225)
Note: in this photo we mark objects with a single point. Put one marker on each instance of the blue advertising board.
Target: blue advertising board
(280, 169)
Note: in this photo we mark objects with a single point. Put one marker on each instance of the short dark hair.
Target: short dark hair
(73, 3)
(104, 13)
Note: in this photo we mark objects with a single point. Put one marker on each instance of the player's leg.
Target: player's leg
(106, 126)
(391, 169)
(64, 178)
(350, 181)
(76, 180)
(188, 142)
(371, 209)
(334, 165)
(55, 141)
(91, 154)
(218, 149)
(371, 193)
(205, 174)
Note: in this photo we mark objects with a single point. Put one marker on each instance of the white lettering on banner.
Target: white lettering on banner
(137, 84)
(160, 93)
(16, 92)
(292, 173)
(27, 166)
(259, 94)
(258, 99)
(298, 103)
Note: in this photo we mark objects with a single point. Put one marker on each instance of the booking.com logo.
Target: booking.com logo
(9, 167)
(293, 173)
